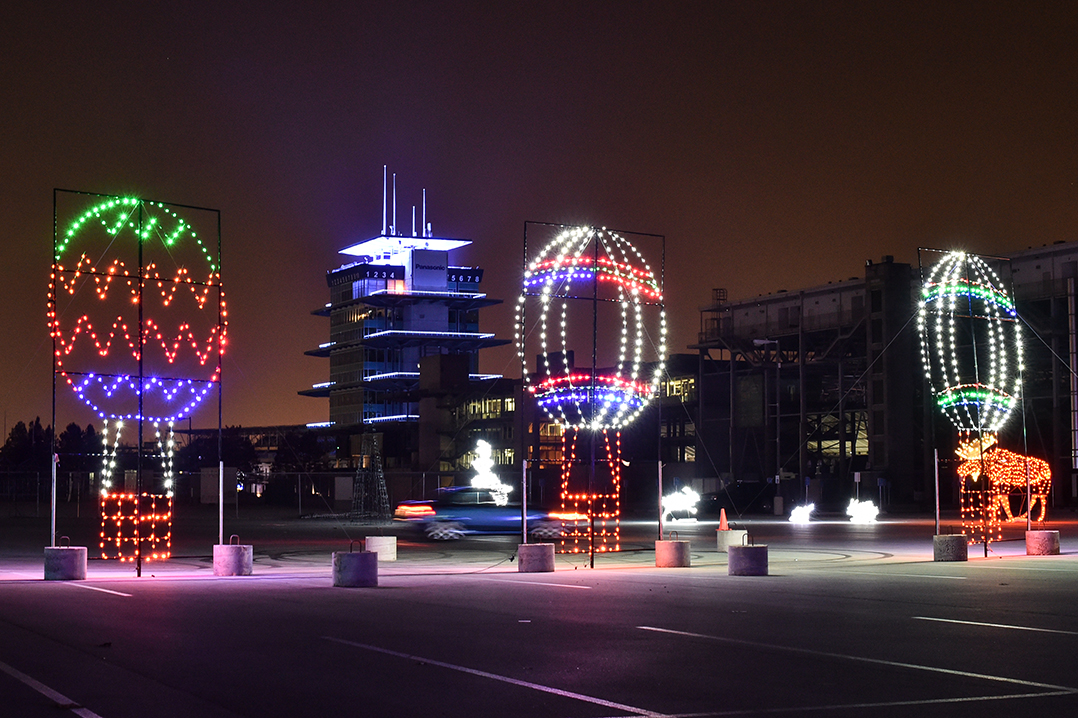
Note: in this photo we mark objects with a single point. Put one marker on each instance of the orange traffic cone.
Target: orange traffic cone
(723, 526)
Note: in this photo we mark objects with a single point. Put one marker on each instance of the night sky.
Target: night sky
(776, 145)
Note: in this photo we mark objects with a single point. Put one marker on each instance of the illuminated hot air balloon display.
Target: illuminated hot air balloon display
(138, 322)
(576, 275)
(971, 347)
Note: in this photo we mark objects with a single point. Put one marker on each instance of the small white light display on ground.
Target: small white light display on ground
(683, 501)
(801, 514)
(862, 512)
(485, 478)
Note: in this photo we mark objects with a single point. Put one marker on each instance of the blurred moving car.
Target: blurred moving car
(462, 510)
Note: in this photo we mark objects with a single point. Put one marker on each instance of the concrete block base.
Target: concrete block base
(384, 546)
(748, 561)
(1042, 543)
(357, 569)
(950, 548)
(65, 563)
(535, 557)
(730, 537)
(672, 554)
(233, 559)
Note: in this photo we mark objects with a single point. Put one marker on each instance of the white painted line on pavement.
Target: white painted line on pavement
(862, 659)
(59, 699)
(904, 575)
(503, 679)
(1020, 568)
(995, 625)
(537, 583)
(102, 590)
(862, 706)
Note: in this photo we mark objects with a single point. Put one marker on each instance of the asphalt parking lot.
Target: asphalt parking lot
(852, 620)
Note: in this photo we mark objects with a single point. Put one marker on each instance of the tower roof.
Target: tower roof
(378, 246)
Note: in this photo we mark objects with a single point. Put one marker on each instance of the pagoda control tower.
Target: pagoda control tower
(400, 300)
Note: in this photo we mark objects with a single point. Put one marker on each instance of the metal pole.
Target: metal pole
(936, 462)
(659, 410)
(662, 384)
(802, 413)
(141, 391)
(591, 395)
(524, 501)
(1072, 364)
(1025, 434)
(660, 498)
(52, 525)
(982, 478)
(523, 329)
(220, 400)
(52, 330)
(778, 422)
(1029, 502)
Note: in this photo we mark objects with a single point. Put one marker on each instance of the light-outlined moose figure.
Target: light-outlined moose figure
(1006, 472)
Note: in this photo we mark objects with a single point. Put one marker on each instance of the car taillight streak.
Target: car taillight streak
(565, 516)
(413, 511)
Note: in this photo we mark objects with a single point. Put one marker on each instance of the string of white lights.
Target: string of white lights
(574, 397)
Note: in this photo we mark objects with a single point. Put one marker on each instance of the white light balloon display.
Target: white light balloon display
(971, 346)
(971, 343)
(598, 281)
